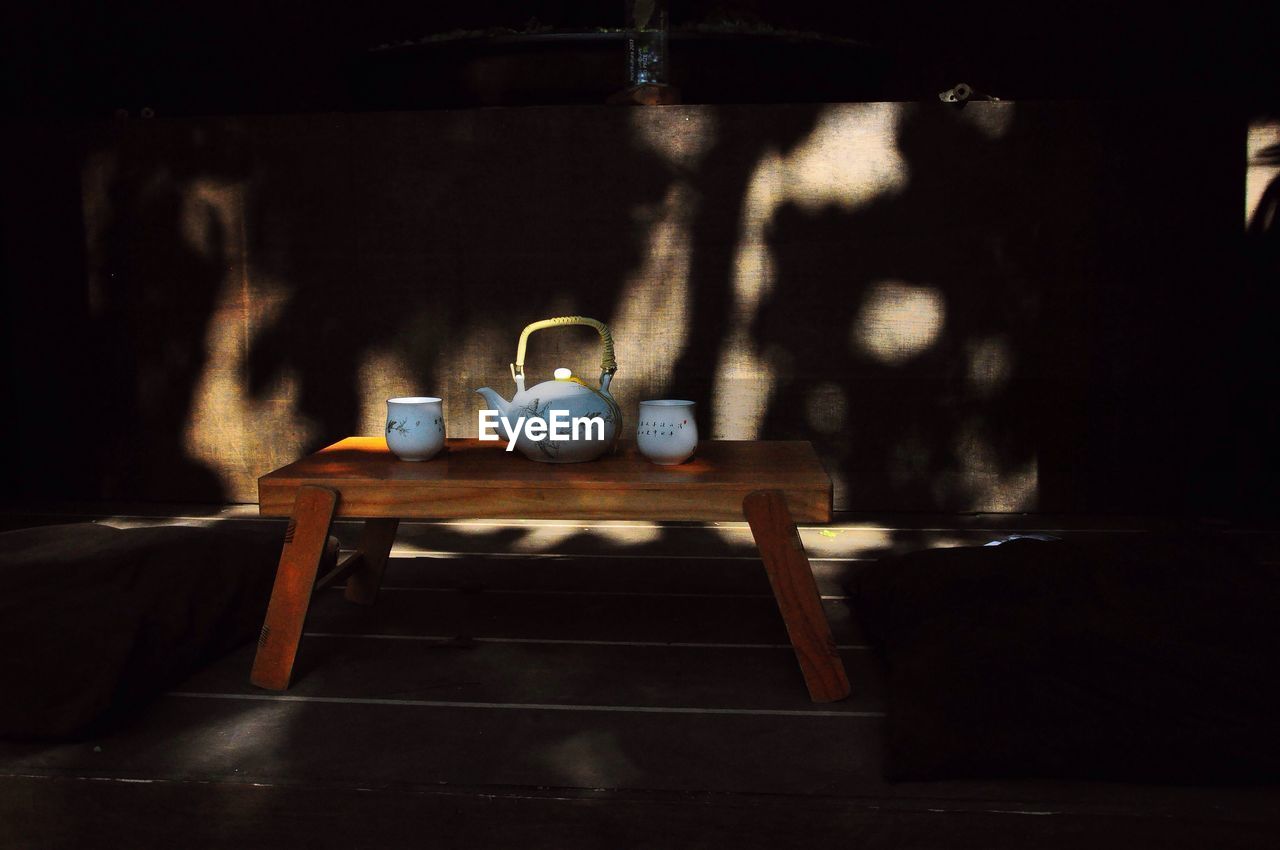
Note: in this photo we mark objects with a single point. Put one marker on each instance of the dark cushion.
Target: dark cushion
(1137, 657)
(94, 620)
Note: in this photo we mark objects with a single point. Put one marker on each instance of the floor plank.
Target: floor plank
(617, 685)
(55, 813)
(618, 616)
(274, 740)
(590, 675)
(592, 574)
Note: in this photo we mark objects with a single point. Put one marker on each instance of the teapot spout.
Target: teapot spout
(495, 401)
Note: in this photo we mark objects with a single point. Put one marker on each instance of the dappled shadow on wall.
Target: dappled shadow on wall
(907, 285)
(853, 274)
(413, 269)
(1253, 449)
(883, 302)
(262, 286)
(160, 213)
(417, 268)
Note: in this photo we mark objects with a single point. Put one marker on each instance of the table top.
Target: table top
(474, 479)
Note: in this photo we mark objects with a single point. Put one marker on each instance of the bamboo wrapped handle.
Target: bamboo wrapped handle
(608, 364)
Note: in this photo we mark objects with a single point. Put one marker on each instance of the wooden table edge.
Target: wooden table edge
(281, 508)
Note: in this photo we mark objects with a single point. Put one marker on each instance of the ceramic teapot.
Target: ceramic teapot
(560, 421)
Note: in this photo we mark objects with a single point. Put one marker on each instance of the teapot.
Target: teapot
(564, 420)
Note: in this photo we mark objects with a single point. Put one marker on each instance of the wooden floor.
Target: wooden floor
(552, 685)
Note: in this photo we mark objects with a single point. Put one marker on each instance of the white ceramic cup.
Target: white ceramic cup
(415, 427)
(666, 433)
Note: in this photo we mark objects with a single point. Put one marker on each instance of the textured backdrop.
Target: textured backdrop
(1009, 307)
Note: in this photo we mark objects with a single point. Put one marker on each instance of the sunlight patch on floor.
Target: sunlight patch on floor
(589, 760)
(217, 746)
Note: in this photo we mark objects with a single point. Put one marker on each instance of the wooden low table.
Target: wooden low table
(770, 484)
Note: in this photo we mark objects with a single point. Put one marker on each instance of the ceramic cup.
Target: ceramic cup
(415, 427)
(667, 433)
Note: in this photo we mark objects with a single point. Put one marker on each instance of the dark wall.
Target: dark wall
(270, 56)
(195, 301)
(192, 300)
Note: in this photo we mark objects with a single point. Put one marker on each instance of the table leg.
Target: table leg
(375, 549)
(304, 545)
(793, 586)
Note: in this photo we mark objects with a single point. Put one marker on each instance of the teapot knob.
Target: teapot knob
(563, 374)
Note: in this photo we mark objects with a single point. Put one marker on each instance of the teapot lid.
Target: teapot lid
(566, 376)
